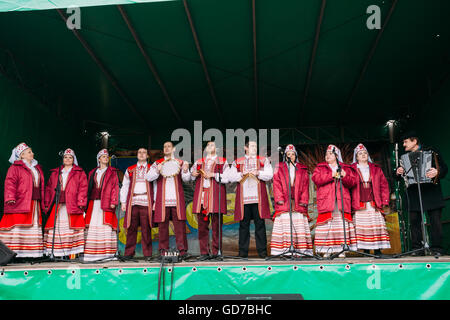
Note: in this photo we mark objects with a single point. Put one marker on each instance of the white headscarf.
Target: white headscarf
(290, 147)
(70, 152)
(360, 147)
(103, 152)
(332, 148)
(17, 151)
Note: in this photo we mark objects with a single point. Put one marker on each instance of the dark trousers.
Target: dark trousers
(180, 232)
(434, 219)
(203, 233)
(139, 217)
(251, 212)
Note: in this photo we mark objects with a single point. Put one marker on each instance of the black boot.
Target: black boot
(379, 255)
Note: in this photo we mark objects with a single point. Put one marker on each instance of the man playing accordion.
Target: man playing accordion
(431, 193)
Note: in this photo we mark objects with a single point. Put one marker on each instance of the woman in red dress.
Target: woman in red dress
(369, 197)
(101, 220)
(69, 236)
(294, 175)
(20, 226)
(329, 232)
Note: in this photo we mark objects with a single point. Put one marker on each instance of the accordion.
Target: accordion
(416, 165)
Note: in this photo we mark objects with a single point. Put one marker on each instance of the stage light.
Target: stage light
(391, 123)
(104, 137)
(391, 126)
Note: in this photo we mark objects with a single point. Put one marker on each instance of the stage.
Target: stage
(360, 278)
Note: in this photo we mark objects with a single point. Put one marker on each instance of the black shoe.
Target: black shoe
(243, 255)
(127, 258)
(382, 256)
(379, 255)
(437, 253)
(216, 257)
(184, 256)
(204, 257)
(418, 254)
(16, 260)
(262, 256)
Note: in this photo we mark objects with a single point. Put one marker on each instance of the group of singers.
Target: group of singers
(84, 220)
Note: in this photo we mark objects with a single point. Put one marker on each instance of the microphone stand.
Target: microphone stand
(417, 163)
(220, 256)
(291, 249)
(117, 255)
(55, 205)
(400, 212)
(345, 246)
(407, 231)
(399, 205)
(57, 197)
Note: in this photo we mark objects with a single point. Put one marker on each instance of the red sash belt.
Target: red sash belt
(362, 205)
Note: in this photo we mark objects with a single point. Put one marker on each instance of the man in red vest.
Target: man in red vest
(136, 196)
(205, 172)
(252, 202)
(169, 201)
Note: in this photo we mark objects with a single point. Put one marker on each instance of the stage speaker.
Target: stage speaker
(6, 254)
(247, 297)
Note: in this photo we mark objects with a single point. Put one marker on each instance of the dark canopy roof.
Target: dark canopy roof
(147, 68)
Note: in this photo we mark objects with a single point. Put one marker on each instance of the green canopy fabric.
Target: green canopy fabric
(272, 69)
(25, 5)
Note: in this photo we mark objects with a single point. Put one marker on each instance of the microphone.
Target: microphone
(335, 154)
(337, 160)
(113, 157)
(61, 153)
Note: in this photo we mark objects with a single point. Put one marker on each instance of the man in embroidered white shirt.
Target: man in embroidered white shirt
(252, 202)
(169, 198)
(210, 175)
(137, 202)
